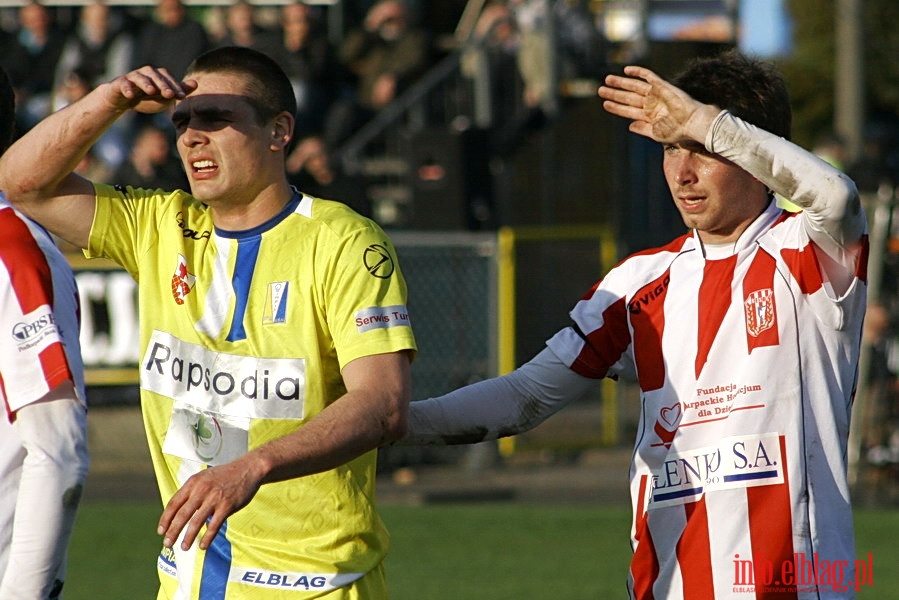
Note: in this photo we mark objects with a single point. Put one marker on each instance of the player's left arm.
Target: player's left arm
(53, 431)
(373, 412)
(829, 199)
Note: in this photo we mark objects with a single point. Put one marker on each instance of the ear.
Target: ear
(282, 131)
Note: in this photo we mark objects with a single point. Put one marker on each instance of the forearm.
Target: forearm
(497, 407)
(356, 423)
(827, 195)
(373, 412)
(40, 161)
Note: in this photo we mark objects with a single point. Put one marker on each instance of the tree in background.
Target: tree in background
(810, 69)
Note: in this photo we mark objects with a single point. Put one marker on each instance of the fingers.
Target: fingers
(148, 84)
(212, 528)
(206, 499)
(180, 511)
(188, 510)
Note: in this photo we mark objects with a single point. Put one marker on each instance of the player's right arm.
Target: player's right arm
(37, 172)
(497, 407)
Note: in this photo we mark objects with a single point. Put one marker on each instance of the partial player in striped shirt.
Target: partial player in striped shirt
(43, 446)
(743, 336)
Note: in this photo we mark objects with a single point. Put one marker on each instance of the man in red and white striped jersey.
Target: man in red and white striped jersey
(43, 432)
(743, 335)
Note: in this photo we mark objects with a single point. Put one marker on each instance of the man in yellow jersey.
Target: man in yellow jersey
(275, 339)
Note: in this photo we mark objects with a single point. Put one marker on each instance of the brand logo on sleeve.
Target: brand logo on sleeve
(378, 261)
(35, 329)
(381, 317)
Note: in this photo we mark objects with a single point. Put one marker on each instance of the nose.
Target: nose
(191, 136)
(683, 168)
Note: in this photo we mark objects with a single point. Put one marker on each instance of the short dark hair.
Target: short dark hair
(268, 88)
(749, 88)
(7, 112)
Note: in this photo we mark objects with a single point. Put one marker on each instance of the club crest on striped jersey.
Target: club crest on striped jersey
(759, 311)
(275, 310)
(182, 280)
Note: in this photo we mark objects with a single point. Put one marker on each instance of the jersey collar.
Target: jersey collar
(289, 208)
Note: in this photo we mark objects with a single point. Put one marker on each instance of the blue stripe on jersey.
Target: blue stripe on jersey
(244, 265)
(248, 242)
(216, 566)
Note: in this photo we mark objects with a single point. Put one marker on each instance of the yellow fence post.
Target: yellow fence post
(507, 241)
(506, 316)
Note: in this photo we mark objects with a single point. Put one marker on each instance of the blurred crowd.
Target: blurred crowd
(54, 55)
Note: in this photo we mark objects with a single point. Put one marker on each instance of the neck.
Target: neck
(241, 215)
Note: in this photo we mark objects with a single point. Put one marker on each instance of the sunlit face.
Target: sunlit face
(712, 194)
(228, 155)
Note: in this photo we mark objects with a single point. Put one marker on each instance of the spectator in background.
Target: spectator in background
(493, 59)
(111, 148)
(241, 29)
(172, 40)
(310, 62)
(151, 163)
(533, 55)
(384, 56)
(30, 62)
(311, 170)
(497, 41)
(99, 46)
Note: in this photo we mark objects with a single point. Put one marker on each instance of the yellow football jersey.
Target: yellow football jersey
(243, 336)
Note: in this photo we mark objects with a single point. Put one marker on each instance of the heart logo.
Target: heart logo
(671, 416)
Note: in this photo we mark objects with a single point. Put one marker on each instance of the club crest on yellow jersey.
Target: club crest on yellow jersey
(182, 280)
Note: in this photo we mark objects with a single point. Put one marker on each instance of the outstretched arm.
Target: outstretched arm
(36, 173)
(497, 407)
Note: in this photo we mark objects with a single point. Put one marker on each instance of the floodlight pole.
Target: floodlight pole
(849, 77)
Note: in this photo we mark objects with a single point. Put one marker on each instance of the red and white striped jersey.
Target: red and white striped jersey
(38, 314)
(746, 364)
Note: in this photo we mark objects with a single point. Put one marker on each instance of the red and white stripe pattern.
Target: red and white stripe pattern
(746, 363)
(39, 318)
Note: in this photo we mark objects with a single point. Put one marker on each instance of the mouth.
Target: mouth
(691, 201)
(203, 167)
